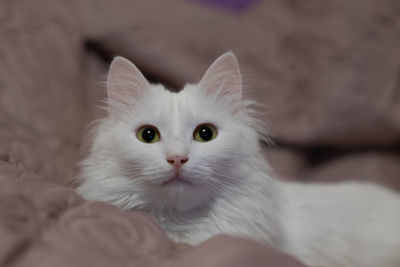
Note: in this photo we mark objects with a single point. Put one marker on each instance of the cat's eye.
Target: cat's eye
(148, 134)
(205, 132)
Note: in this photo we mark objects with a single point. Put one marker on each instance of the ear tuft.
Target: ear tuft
(223, 79)
(125, 81)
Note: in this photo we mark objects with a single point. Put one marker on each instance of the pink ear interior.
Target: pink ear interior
(223, 78)
(125, 81)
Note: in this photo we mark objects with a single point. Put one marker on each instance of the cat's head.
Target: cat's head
(158, 148)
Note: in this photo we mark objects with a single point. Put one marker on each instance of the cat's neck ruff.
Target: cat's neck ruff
(236, 207)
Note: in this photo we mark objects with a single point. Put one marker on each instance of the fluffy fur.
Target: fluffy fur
(228, 187)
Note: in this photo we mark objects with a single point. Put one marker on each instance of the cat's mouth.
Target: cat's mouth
(176, 179)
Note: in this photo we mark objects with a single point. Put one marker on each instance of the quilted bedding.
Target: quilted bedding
(48, 225)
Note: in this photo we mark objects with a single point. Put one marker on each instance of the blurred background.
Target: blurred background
(327, 71)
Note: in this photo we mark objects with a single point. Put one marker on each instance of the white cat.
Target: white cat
(193, 160)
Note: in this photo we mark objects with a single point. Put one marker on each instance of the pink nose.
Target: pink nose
(177, 161)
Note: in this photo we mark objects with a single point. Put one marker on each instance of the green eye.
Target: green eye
(205, 133)
(148, 134)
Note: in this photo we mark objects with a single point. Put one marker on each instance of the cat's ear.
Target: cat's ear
(125, 81)
(223, 79)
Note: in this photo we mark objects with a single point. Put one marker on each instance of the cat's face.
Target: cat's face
(178, 149)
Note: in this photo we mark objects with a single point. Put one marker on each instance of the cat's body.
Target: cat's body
(345, 224)
(197, 188)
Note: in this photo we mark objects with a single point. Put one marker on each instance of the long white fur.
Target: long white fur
(346, 225)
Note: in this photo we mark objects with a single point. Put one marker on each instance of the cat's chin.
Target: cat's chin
(182, 193)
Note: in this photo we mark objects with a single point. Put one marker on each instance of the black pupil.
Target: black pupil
(148, 134)
(205, 133)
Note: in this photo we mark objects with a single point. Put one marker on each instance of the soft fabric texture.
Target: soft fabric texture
(47, 225)
(324, 67)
